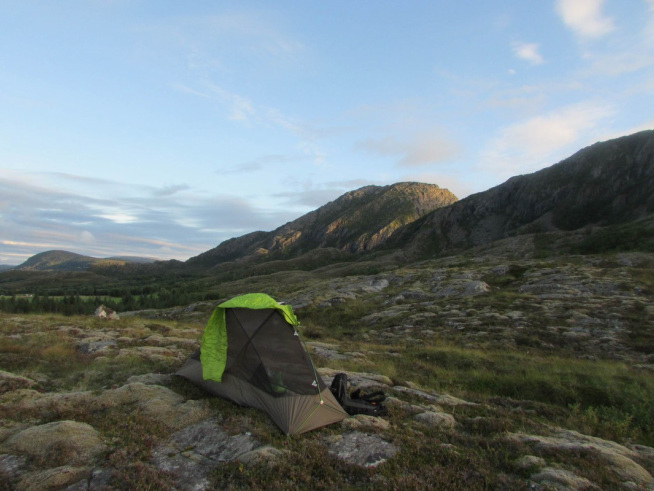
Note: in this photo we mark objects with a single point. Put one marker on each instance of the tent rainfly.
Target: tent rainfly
(252, 355)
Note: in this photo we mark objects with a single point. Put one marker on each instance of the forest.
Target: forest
(81, 303)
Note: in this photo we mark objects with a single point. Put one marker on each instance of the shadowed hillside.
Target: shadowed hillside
(605, 184)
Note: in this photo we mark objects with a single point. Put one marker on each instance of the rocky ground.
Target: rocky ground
(92, 404)
(589, 306)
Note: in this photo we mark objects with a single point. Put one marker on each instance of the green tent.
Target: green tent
(251, 354)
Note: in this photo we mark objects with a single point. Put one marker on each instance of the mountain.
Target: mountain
(4, 267)
(358, 221)
(69, 261)
(606, 184)
(603, 192)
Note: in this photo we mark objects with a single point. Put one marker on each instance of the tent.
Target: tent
(252, 355)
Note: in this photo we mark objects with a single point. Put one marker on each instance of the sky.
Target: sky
(161, 128)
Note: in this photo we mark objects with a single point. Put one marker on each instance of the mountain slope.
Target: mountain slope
(69, 261)
(358, 221)
(607, 183)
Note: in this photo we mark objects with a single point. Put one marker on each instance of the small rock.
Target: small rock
(360, 421)
(103, 312)
(528, 462)
(465, 289)
(267, 453)
(96, 347)
(436, 419)
(500, 270)
(326, 350)
(474, 288)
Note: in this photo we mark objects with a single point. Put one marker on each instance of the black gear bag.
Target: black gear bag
(357, 402)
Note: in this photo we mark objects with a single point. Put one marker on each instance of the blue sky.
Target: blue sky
(161, 128)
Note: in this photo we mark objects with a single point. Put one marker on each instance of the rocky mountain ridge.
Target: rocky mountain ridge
(604, 184)
(356, 222)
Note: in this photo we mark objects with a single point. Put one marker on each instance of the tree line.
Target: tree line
(73, 303)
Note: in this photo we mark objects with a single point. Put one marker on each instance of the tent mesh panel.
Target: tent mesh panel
(264, 350)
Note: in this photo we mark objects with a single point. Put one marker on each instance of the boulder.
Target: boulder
(193, 452)
(159, 403)
(618, 457)
(11, 466)
(53, 478)
(60, 441)
(561, 479)
(99, 480)
(361, 449)
(10, 381)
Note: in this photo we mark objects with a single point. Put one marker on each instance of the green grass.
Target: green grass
(608, 399)
(635, 236)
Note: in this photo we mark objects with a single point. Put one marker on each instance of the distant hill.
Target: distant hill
(69, 261)
(358, 221)
(606, 184)
(4, 267)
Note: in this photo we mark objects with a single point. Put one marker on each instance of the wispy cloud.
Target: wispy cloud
(261, 163)
(159, 222)
(528, 52)
(585, 17)
(631, 54)
(170, 190)
(528, 145)
(649, 30)
(425, 148)
(243, 110)
(240, 107)
(211, 43)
